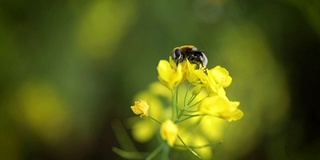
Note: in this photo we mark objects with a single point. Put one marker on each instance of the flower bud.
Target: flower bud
(141, 108)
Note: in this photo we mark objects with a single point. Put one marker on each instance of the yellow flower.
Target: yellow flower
(169, 132)
(174, 65)
(221, 107)
(215, 80)
(140, 108)
(168, 76)
(193, 74)
(221, 76)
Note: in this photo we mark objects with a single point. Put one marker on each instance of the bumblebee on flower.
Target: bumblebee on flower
(196, 106)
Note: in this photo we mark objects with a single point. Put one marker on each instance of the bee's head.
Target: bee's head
(177, 55)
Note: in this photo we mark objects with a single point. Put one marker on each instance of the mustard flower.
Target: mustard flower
(215, 80)
(221, 107)
(140, 108)
(193, 74)
(199, 106)
(221, 76)
(169, 76)
(169, 132)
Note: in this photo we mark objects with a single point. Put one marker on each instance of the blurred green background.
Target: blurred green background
(68, 69)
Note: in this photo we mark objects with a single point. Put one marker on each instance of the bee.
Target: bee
(190, 52)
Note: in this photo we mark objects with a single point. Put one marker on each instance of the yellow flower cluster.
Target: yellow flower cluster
(196, 109)
(214, 80)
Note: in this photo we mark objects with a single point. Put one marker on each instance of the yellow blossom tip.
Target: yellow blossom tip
(169, 76)
(141, 108)
(221, 107)
(169, 132)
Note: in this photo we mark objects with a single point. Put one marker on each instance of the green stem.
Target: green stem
(128, 155)
(173, 103)
(200, 147)
(189, 116)
(192, 151)
(177, 100)
(185, 96)
(191, 99)
(198, 102)
(165, 153)
(179, 116)
(155, 120)
(155, 152)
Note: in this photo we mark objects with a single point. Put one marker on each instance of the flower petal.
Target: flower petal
(169, 132)
(140, 108)
(168, 76)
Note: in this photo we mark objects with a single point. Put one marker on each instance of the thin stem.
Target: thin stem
(173, 103)
(129, 155)
(165, 152)
(192, 151)
(191, 99)
(155, 152)
(177, 100)
(154, 119)
(122, 136)
(190, 111)
(185, 108)
(189, 116)
(179, 116)
(193, 115)
(198, 102)
(199, 147)
(185, 96)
